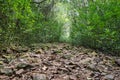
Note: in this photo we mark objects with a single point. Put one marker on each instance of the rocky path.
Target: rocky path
(58, 62)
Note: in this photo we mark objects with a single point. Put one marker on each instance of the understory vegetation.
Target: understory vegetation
(90, 23)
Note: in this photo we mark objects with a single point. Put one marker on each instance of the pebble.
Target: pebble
(37, 76)
(109, 77)
(6, 71)
(92, 67)
(117, 61)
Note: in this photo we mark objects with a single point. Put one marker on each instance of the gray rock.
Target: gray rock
(117, 61)
(92, 67)
(109, 77)
(103, 73)
(24, 66)
(6, 71)
(37, 76)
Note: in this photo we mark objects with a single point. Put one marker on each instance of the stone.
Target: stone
(20, 71)
(39, 51)
(109, 77)
(24, 66)
(9, 51)
(117, 61)
(92, 67)
(86, 61)
(6, 71)
(88, 78)
(72, 77)
(37, 76)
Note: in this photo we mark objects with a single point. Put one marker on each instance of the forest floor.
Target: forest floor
(57, 61)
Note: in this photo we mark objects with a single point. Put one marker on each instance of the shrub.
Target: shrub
(97, 25)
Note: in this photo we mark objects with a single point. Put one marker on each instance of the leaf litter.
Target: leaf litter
(58, 61)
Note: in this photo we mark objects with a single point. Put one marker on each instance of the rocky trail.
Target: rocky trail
(57, 61)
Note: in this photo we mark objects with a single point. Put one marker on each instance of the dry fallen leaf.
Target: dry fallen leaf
(44, 68)
(19, 71)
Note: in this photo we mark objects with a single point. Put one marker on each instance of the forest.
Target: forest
(59, 39)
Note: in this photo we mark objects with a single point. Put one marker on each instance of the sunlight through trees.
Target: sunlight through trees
(61, 15)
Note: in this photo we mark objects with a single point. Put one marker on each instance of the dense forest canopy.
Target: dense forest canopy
(90, 23)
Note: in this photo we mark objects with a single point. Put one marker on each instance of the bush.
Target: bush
(22, 23)
(16, 16)
(97, 25)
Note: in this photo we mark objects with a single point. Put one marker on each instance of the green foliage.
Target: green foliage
(45, 28)
(97, 25)
(44, 32)
(16, 17)
(22, 22)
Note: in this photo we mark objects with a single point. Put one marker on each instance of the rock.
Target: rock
(19, 49)
(6, 71)
(37, 76)
(86, 61)
(1, 62)
(88, 78)
(39, 51)
(66, 56)
(24, 66)
(117, 61)
(97, 59)
(72, 77)
(94, 53)
(9, 51)
(109, 77)
(103, 73)
(19, 71)
(92, 67)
